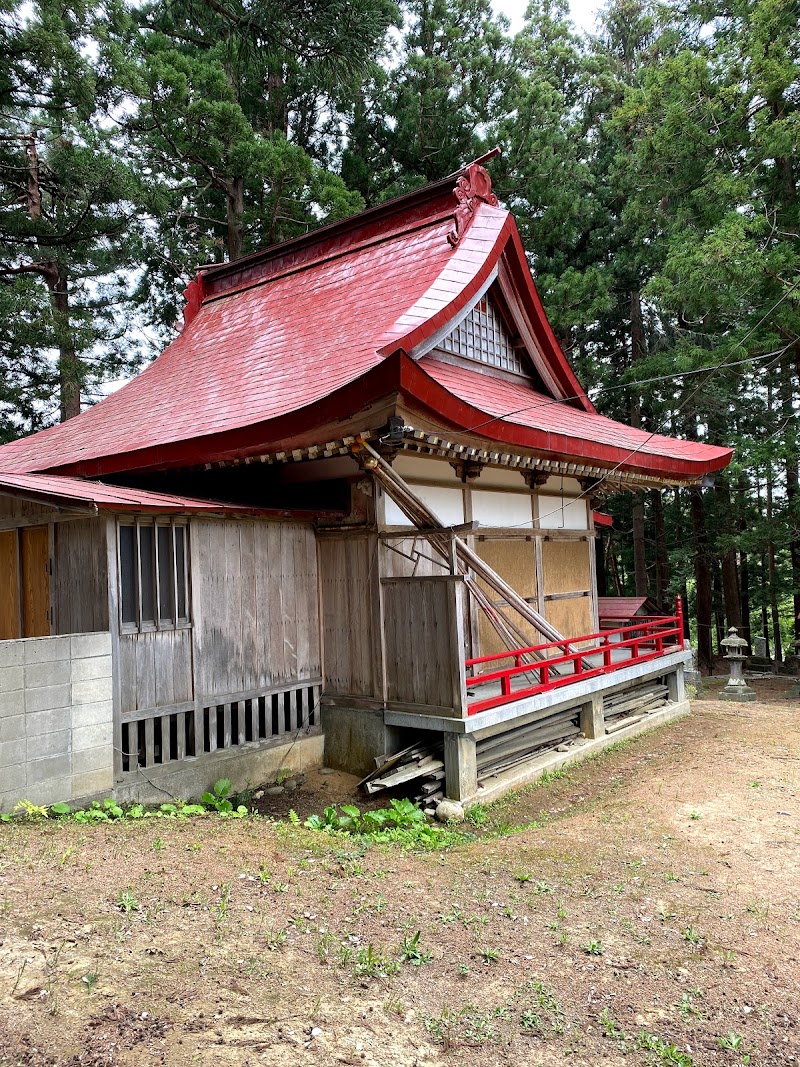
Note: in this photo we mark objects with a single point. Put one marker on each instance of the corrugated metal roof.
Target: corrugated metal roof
(81, 493)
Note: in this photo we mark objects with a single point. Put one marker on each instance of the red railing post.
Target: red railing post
(679, 613)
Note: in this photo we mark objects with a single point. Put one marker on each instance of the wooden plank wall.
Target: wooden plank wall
(348, 567)
(80, 576)
(155, 669)
(254, 605)
(15, 511)
(424, 642)
(395, 565)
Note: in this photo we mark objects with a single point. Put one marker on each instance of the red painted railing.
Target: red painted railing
(647, 638)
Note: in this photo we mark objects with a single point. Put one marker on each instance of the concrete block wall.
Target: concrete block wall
(56, 719)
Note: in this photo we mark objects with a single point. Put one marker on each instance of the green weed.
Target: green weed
(410, 952)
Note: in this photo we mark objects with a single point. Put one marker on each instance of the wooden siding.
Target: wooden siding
(155, 669)
(395, 561)
(425, 642)
(35, 556)
(80, 576)
(16, 511)
(348, 570)
(254, 604)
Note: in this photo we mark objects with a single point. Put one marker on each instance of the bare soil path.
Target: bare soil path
(642, 909)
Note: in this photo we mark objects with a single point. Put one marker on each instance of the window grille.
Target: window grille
(482, 336)
(153, 575)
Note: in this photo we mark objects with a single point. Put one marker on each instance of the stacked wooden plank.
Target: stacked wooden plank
(413, 768)
(505, 750)
(627, 708)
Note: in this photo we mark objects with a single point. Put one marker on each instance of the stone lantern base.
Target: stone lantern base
(741, 692)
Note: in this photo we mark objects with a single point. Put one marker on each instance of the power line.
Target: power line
(711, 370)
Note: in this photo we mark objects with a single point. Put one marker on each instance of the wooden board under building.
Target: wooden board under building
(514, 560)
(9, 586)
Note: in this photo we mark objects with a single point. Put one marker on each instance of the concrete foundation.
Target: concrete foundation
(245, 766)
(742, 694)
(355, 736)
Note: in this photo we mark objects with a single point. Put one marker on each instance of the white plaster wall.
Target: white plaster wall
(562, 513)
(502, 509)
(447, 504)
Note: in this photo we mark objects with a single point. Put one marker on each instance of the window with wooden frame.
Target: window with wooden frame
(154, 575)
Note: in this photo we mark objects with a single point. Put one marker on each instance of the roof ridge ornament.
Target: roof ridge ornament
(473, 186)
(194, 294)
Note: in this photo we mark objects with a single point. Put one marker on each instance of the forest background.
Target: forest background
(652, 166)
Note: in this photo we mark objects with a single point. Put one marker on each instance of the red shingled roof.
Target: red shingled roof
(559, 431)
(284, 345)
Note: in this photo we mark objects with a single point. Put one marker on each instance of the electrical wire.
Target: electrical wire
(712, 370)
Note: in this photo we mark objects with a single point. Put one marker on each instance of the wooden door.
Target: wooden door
(10, 628)
(35, 581)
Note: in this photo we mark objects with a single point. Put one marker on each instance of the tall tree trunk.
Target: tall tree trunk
(744, 577)
(719, 602)
(69, 366)
(662, 559)
(702, 577)
(234, 206)
(278, 104)
(773, 590)
(792, 485)
(684, 595)
(639, 547)
(744, 561)
(56, 277)
(730, 576)
(764, 601)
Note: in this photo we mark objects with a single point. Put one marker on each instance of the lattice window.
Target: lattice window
(482, 336)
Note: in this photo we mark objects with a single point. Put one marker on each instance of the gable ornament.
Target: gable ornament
(472, 187)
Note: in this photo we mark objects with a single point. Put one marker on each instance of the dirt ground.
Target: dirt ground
(642, 909)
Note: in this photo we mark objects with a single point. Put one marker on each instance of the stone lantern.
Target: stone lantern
(735, 653)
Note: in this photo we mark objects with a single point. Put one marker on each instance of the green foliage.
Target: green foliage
(402, 822)
(410, 952)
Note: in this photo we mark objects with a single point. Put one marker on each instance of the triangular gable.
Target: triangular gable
(483, 337)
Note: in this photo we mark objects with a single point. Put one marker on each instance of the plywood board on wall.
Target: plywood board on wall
(9, 586)
(514, 561)
(566, 566)
(35, 581)
(571, 617)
